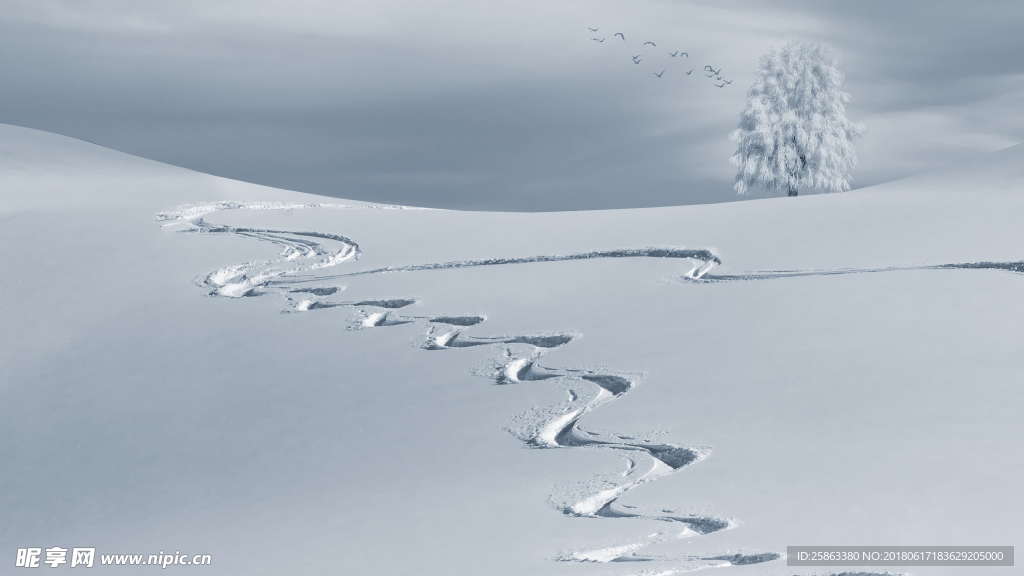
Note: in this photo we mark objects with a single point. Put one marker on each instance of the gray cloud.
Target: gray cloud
(479, 105)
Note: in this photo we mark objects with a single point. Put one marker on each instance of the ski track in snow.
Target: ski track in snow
(705, 258)
(1016, 267)
(304, 253)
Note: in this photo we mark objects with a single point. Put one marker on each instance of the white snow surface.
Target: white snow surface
(849, 373)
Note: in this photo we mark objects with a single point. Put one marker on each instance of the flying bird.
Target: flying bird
(592, 29)
(636, 59)
(726, 81)
(689, 72)
(649, 43)
(600, 40)
(659, 74)
(685, 54)
(720, 84)
(620, 35)
(674, 54)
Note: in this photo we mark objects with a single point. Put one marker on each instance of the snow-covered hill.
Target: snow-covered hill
(302, 385)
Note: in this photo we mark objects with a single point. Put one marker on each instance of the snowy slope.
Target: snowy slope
(303, 385)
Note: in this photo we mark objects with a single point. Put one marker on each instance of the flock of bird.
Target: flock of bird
(710, 72)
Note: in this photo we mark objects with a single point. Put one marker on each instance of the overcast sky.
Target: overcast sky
(496, 105)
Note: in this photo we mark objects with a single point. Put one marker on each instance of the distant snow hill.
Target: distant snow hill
(306, 385)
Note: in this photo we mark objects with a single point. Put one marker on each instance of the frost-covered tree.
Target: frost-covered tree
(794, 134)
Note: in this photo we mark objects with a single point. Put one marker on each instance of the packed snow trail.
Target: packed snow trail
(300, 251)
(561, 427)
(306, 255)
